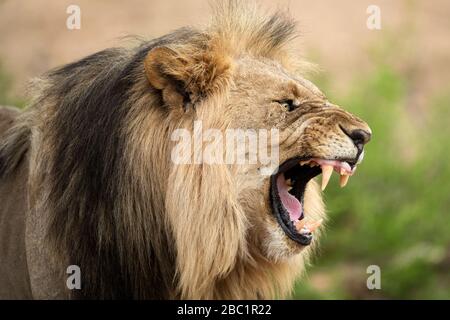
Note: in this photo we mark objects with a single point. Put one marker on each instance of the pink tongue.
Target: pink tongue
(290, 203)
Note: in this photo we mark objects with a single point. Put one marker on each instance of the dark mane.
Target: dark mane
(92, 100)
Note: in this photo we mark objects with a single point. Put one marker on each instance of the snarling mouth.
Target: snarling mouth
(287, 193)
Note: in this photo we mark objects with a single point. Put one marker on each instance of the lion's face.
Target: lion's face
(315, 136)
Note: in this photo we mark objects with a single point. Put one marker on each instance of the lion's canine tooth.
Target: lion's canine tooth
(289, 182)
(313, 226)
(305, 231)
(327, 170)
(343, 180)
(299, 224)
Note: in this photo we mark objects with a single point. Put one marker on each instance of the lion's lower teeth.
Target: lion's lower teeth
(306, 227)
(299, 224)
(312, 227)
(304, 231)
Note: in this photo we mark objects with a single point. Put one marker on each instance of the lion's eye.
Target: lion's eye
(289, 104)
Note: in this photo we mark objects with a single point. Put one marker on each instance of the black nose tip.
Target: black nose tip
(360, 136)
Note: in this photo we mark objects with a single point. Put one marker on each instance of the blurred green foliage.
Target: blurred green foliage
(394, 212)
(6, 97)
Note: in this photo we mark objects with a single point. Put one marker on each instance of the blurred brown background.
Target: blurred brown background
(34, 37)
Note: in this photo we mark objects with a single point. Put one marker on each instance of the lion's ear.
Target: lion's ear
(186, 76)
(160, 67)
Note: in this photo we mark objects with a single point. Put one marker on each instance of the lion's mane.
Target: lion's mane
(98, 141)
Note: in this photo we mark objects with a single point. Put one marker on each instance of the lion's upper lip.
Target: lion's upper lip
(288, 187)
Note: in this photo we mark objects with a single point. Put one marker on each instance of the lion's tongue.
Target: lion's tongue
(290, 203)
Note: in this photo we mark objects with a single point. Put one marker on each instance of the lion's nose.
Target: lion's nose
(359, 136)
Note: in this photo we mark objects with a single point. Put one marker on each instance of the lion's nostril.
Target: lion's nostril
(359, 136)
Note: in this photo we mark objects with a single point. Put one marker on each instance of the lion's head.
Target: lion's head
(140, 225)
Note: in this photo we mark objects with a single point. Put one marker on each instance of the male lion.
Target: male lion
(86, 176)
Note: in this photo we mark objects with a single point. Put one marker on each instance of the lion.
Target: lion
(87, 180)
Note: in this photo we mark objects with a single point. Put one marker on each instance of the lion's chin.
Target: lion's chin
(287, 193)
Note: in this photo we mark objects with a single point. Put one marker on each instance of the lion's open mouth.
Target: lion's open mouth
(288, 189)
